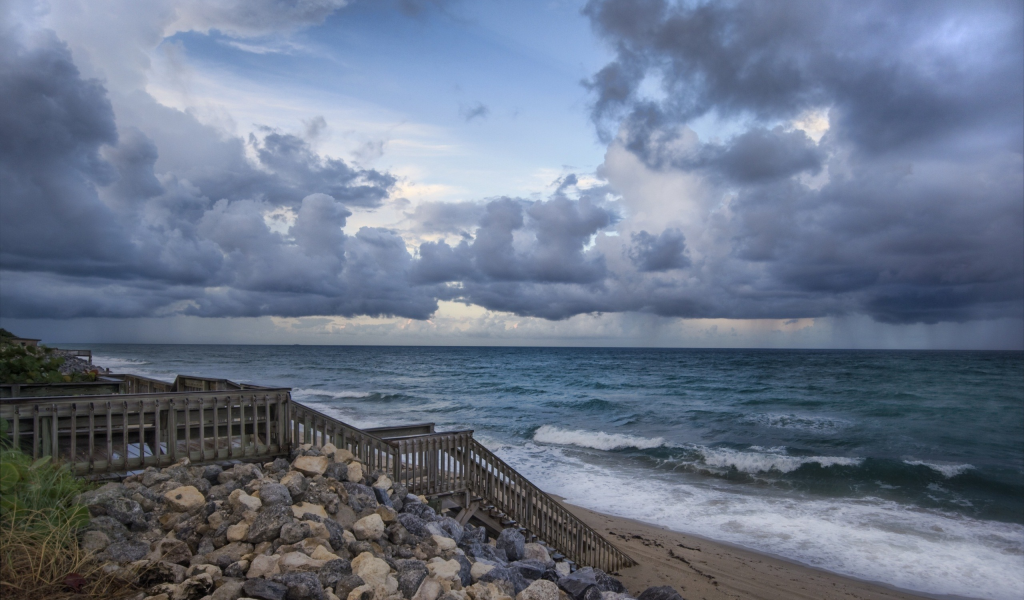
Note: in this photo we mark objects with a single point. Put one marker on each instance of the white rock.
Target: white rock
(323, 554)
(348, 537)
(239, 500)
(184, 499)
(444, 543)
(310, 465)
(297, 561)
(429, 589)
(358, 592)
(264, 566)
(479, 570)
(371, 569)
(370, 527)
(343, 456)
(319, 530)
(535, 551)
(542, 589)
(355, 472)
(236, 532)
(444, 569)
(328, 449)
(562, 568)
(303, 508)
(383, 483)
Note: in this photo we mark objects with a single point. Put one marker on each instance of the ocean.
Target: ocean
(905, 468)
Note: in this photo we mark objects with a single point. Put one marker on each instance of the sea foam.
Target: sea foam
(329, 393)
(598, 440)
(764, 460)
(948, 470)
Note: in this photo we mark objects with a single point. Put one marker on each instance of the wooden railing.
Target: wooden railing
(136, 384)
(118, 433)
(115, 433)
(310, 426)
(453, 462)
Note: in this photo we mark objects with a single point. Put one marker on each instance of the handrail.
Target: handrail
(310, 426)
(117, 432)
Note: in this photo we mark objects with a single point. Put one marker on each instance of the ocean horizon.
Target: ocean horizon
(900, 467)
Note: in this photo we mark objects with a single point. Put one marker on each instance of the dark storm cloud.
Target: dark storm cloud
(445, 217)
(94, 225)
(919, 216)
(663, 252)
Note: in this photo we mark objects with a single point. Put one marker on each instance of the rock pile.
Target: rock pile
(320, 527)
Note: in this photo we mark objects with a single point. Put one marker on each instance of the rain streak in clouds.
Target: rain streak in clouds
(872, 165)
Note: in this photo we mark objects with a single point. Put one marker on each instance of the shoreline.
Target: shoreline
(703, 569)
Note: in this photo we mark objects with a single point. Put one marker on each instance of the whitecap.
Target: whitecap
(763, 460)
(799, 422)
(597, 440)
(947, 470)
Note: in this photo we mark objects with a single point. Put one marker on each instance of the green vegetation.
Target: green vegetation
(33, 364)
(39, 526)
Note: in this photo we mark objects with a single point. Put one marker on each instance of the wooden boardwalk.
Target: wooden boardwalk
(209, 420)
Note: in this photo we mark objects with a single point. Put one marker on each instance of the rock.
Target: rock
(94, 541)
(302, 508)
(343, 456)
(238, 531)
(195, 587)
(126, 551)
(230, 589)
(184, 499)
(444, 569)
(225, 555)
(531, 570)
(369, 528)
(160, 572)
(274, 494)
(301, 586)
(387, 514)
(363, 592)
(513, 543)
(577, 583)
(337, 471)
(370, 569)
(264, 566)
(382, 497)
(450, 528)
(323, 554)
(298, 561)
(421, 510)
(563, 569)
(466, 572)
(607, 583)
(355, 472)
(534, 551)
(261, 589)
(485, 552)
(267, 525)
(348, 583)
(383, 483)
(295, 532)
(171, 550)
(472, 535)
(360, 497)
(511, 576)
(479, 569)
(411, 574)
(296, 483)
(414, 524)
(211, 570)
(539, 590)
(128, 512)
(663, 592)
(430, 589)
(237, 568)
(444, 543)
(310, 466)
(241, 502)
(334, 571)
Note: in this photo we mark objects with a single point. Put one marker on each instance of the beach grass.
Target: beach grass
(40, 556)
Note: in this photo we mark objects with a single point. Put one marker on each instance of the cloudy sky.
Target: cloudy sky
(613, 172)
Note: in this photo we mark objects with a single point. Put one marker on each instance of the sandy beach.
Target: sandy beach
(702, 569)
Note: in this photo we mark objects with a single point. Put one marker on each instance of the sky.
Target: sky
(566, 173)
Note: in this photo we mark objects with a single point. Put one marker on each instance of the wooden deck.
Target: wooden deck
(209, 420)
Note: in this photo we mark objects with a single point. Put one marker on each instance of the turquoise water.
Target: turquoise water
(900, 467)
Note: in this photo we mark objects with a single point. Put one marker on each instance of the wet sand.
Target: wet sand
(702, 569)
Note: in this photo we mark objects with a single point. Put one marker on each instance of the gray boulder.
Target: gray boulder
(414, 524)
(411, 574)
(274, 494)
(486, 552)
(513, 543)
(577, 584)
(346, 584)
(334, 571)
(531, 570)
(360, 497)
(268, 524)
(126, 551)
(261, 589)
(302, 586)
(512, 576)
(465, 570)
